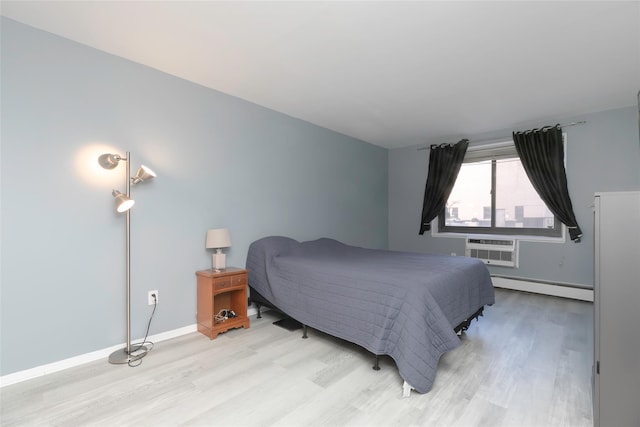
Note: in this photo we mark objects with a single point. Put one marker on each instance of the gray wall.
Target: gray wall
(221, 162)
(602, 155)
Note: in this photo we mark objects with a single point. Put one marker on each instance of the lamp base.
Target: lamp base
(219, 261)
(138, 351)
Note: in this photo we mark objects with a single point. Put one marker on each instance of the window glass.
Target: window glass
(470, 197)
(493, 195)
(517, 203)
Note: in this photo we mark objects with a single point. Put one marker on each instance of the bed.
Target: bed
(401, 304)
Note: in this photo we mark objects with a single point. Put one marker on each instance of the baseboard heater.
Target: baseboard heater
(558, 289)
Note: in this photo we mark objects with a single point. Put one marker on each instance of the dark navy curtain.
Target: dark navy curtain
(541, 153)
(444, 164)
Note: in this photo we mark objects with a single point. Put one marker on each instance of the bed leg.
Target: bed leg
(304, 332)
(259, 314)
(376, 363)
(406, 389)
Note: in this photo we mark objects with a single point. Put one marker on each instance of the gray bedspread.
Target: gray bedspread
(400, 304)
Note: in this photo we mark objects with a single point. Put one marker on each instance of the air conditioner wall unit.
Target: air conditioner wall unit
(497, 251)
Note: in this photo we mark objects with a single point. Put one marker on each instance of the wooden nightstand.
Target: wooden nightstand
(221, 290)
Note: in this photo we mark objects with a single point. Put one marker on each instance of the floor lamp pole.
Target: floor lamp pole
(129, 353)
(128, 255)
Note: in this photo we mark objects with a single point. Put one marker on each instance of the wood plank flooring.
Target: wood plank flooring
(527, 362)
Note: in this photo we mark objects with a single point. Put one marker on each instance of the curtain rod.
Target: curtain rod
(581, 122)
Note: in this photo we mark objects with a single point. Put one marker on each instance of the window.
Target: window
(493, 195)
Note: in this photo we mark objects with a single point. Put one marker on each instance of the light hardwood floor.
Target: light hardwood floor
(527, 362)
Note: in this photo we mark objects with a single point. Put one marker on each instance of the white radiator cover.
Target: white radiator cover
(502, 252)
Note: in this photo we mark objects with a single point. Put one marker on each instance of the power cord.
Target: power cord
(138, 362)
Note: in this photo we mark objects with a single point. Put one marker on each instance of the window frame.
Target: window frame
(495, 150)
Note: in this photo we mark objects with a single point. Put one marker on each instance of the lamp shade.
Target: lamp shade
(123, 203)
(142, 174)
(218, 238)
(109, 161)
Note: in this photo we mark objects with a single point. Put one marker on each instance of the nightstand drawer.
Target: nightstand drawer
(222, 283)
(239, 279)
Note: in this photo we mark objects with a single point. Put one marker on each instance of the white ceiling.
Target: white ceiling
(390, 73)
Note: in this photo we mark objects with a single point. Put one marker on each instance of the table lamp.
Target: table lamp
(217, 239)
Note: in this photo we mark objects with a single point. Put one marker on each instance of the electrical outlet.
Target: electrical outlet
(153, 297)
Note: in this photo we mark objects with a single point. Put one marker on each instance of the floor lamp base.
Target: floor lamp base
(138, 351)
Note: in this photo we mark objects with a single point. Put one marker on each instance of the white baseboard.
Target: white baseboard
(71, 362)
(558, 290)
(50, 368)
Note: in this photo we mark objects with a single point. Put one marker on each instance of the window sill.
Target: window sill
(522, 238)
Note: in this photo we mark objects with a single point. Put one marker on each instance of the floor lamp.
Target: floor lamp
(123, 203)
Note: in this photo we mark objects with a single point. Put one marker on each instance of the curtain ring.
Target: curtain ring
(436, 146)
